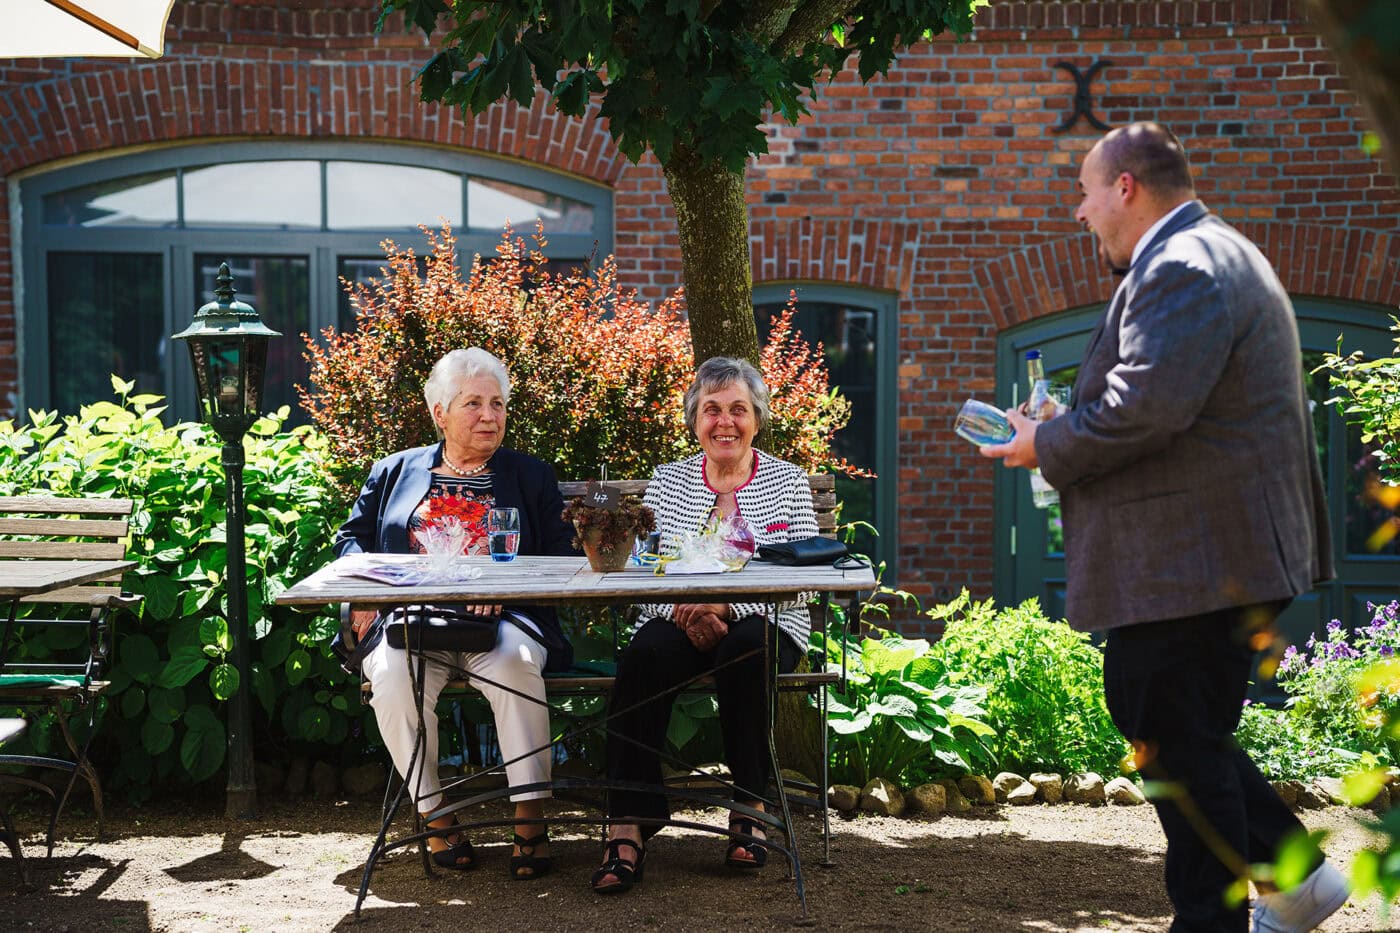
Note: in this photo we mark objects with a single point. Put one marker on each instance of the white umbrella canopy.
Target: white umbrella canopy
(72, 28)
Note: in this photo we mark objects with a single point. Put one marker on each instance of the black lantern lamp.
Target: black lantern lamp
(228, 349)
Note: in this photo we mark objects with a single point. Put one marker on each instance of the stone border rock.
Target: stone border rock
(971, 792)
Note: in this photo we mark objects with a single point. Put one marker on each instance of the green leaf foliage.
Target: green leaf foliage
(702, 75)
(172, 670)
(1043, 683)
(900, 717)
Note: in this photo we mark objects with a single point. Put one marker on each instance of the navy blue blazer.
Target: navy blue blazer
(378, 521)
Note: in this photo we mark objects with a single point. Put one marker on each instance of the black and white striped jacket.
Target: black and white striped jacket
(776, 501)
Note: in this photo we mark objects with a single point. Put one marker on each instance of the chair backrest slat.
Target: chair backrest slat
(64, 550)
(55, 505)
(63, 527)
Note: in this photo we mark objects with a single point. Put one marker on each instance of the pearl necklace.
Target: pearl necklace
(458, 470)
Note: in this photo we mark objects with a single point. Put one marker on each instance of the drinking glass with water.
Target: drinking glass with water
(503, 533)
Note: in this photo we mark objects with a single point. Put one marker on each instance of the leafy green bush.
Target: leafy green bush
(1044, 684)
(1283, 752)
(172, 675)
(1327, 706)
(901, 716)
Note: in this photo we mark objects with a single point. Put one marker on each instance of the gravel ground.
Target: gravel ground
(176, 866)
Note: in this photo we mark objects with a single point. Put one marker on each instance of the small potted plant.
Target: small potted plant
(605, 535)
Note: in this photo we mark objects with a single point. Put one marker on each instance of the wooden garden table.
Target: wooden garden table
(570, 581)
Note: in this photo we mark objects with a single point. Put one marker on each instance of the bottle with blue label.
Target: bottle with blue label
(1042, 493)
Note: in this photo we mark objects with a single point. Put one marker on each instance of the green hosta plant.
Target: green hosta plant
(899, 716)
(172, 672)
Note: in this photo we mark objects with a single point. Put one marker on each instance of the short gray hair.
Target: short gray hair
(720, 372)
(457, 367)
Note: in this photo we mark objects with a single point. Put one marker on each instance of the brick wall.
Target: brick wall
(943, 182)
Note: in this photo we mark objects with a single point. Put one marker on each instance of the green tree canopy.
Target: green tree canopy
(692, 81)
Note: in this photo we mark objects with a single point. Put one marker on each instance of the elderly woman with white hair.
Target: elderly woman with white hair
(463, 476)
(725, 407)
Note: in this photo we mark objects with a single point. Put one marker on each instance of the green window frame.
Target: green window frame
(882, 309)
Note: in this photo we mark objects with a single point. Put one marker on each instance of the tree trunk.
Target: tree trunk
(1372, 67)
(714, 236)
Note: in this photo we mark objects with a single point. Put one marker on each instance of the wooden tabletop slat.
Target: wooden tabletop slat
(33, 577)
(556, 580)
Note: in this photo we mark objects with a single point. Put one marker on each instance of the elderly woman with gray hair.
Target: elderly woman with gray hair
(462, 477)
(725, 407)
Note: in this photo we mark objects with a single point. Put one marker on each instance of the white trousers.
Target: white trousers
(517, 662)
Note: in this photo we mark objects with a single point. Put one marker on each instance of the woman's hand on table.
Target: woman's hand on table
(484, 610)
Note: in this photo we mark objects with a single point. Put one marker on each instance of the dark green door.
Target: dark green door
(1029, 558)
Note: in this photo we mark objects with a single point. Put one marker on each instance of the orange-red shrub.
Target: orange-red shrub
(597, 376)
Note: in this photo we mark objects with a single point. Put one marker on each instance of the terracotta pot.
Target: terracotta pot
(605, 556)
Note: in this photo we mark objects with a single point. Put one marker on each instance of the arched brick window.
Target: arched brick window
(118, 254)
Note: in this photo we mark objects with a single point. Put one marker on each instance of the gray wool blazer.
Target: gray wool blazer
(1186, 466)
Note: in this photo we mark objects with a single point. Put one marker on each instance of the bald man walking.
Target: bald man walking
(1194, 512)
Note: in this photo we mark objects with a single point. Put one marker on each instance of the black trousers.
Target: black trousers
(660, 659)
(1175, 690)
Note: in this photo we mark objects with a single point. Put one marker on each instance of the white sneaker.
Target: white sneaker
(1302, 909)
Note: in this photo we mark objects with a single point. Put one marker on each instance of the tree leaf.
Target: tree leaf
(165, 704)
(204, 747)
(183, 666)
(133, 702)
(139, 656)
(156, 735)
(223, 681)
(298, 666)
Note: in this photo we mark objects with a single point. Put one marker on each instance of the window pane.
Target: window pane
(848, 334)
(279, 288)
(366, 196)
(1370, 521)
(134, 201)
(491, 204)
(360, 270)
(280, 195)
(106, 315)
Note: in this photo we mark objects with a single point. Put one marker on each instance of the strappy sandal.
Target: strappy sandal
(626, 873)
(537, 865)
(753, 845)
(451, 857)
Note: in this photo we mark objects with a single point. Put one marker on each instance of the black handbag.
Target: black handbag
(439, 630)
(805, 552)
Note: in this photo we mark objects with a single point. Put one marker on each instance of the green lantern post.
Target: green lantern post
(228, 349)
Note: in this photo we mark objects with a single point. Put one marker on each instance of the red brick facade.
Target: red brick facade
(943, 183)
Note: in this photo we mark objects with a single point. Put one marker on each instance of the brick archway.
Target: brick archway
(1325, 262)
(115, 108)
(876, 254)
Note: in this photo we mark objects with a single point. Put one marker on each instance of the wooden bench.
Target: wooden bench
(52, 528)
(584, 683)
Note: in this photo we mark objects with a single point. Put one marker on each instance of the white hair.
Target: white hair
(457, 367)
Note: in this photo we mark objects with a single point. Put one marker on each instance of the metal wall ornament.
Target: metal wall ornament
(1083, 96)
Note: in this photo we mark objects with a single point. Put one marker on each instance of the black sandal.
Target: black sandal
(451, 857)
(626, 873)
(753, 845)
(527, 860)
